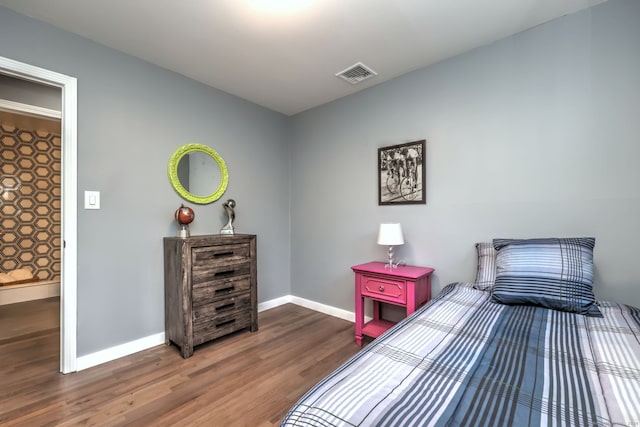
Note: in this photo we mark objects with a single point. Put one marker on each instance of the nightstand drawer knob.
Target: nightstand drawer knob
(381, 288)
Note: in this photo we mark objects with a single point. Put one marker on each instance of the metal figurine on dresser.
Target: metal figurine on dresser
(229, 206)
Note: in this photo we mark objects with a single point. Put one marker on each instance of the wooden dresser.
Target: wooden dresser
(210, 288)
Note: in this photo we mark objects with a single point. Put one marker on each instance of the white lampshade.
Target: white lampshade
(390, 234)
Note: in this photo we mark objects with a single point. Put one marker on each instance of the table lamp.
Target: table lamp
(391, 235)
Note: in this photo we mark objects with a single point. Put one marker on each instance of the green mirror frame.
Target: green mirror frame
(177, 185)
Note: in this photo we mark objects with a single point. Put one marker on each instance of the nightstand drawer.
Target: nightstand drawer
(382, 289)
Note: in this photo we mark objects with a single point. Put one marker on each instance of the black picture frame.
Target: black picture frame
(402, 174)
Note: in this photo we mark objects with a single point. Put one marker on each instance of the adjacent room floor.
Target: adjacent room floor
(29, 317)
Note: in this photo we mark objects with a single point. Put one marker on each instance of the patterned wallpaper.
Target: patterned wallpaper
(30, 203)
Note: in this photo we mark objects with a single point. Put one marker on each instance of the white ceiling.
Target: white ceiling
(284, 54)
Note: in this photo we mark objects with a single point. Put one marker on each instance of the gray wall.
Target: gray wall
(131, 117)
(536, 135)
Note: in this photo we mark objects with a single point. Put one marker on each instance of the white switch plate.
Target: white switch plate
(92, 200)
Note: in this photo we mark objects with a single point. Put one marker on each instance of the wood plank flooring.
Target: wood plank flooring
(246, 379)
(30, 316)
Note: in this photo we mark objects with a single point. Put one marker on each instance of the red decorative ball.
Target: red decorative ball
(184, 215)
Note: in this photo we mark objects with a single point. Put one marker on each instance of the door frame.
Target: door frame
(69, 214)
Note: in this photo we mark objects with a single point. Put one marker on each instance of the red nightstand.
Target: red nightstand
(407, 286)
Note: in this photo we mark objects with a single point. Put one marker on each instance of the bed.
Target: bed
(526, 344)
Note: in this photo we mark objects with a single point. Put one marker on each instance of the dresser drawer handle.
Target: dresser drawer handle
(223, 254)
(225, 307)
(228, 322)
(225, 290)
(381, 288)
(225, 273)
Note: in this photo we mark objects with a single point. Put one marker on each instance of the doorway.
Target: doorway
(68, 270)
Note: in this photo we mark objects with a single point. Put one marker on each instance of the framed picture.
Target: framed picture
(401, 174)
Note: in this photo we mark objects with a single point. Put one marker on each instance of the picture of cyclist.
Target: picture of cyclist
(402, 174)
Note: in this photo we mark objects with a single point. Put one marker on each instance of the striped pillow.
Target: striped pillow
(486, 274)
(553, 273)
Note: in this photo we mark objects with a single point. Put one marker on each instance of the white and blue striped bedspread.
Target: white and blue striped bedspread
(464, 360)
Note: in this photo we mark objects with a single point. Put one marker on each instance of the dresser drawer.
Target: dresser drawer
(209, 256)
(208, 292)
(224, 307)
(220, 273)
(220, 326)
(388, 290)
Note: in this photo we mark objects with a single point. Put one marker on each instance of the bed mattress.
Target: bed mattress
(465, 360)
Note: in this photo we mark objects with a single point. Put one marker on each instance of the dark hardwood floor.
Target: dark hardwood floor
(246, 379)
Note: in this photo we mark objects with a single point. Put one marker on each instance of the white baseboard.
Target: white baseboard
(113, 353)
(323, 308)
(274, 303)
(122, 350)
(27, 292)
(312, 305)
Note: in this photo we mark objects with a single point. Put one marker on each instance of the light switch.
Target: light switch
(92, 200)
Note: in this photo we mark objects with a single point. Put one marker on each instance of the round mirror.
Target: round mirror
(198, 173)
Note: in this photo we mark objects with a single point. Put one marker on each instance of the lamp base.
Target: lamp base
(390, 264)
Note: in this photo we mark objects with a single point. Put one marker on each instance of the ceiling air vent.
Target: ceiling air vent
(357, 73)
